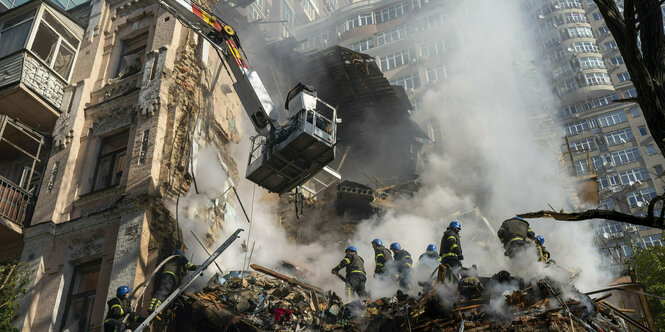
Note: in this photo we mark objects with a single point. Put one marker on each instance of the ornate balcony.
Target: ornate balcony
(38, 48)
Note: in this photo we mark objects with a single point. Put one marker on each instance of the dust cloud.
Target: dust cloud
(485, 163)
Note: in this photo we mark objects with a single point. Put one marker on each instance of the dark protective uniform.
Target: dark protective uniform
(172, 273)
(382, 256)
(355, 273)
(427, 263)
(404, 264)
(451, 249)
(118, 309)
(513, 234)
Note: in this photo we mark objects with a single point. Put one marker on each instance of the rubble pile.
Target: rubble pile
(252, 301)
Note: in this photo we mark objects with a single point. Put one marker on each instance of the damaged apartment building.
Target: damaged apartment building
(99, 106)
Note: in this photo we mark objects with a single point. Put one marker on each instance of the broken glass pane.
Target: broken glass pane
(44, 43)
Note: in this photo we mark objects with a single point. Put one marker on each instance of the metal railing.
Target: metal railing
(15, 203)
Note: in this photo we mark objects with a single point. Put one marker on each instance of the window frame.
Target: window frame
(92, 266)
(113, 155)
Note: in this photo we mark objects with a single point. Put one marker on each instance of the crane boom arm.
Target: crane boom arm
(248, 85)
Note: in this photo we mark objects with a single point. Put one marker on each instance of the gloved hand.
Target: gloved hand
(461, 257)
(333, 271)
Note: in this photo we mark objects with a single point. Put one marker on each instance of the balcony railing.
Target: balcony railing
(25, 67)
(15, 203)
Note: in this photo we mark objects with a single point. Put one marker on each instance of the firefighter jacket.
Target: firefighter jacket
(118, 308)
(178, 267)
(382, 256)
(403, 260)
(451, 247)
(513, 230)
(353, 264)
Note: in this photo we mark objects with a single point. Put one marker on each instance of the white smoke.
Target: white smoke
(488, 159)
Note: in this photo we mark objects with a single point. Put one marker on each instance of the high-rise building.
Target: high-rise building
(607, 138)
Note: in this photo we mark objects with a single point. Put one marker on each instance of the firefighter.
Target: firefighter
(451, 247)
(543, 254)
(403, 263)
(172, 274)
(355, 272)
(428, 262)
(514, 234)
(119, 307)
(382, 256)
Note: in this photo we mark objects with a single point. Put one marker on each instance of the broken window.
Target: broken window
(81, 297)
(54, 45)
(132, 57)
(14, 33)
(111, 161)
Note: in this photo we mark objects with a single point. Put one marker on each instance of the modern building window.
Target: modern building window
(610, 45)
(585, 47)
(391, 12)
(317, 39)
(597, 16)
(606, 204)
(576, 127)
(608, 181)
(629, 93)
(566, 87)
(603, 31)
(617, 61)
(81, 297)
(626, 156)
(597, 79)
(591, 62)
(111, 161)
(14, 33)
(433, 48)
(437, 74)
(610, 119)
(651, 149)
(635, 112)
(653, 240)
(597, 163)
(363, 45)
(633, 175)
(641, 197)
(585, 144)
(643, 130)
(354, 22)
(397, 59)
(573, 18)
(577, 32)
(623, 77)
(658, 169)
(619, 137)
(391, 35)
(410, 81)
(582, 167)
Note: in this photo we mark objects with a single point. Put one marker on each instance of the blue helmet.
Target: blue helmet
(518, 218)
(377, 241)
(122, 290)
(395, 246)
(352, 248)
(431, 247)
(177, 252)
(455, 225)
(540, 239)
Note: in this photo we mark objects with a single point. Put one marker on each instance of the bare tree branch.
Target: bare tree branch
(626, 100)
(594, 214)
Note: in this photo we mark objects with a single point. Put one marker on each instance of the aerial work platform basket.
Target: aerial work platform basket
(293, 154)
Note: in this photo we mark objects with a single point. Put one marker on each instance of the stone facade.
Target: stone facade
(120, 156)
